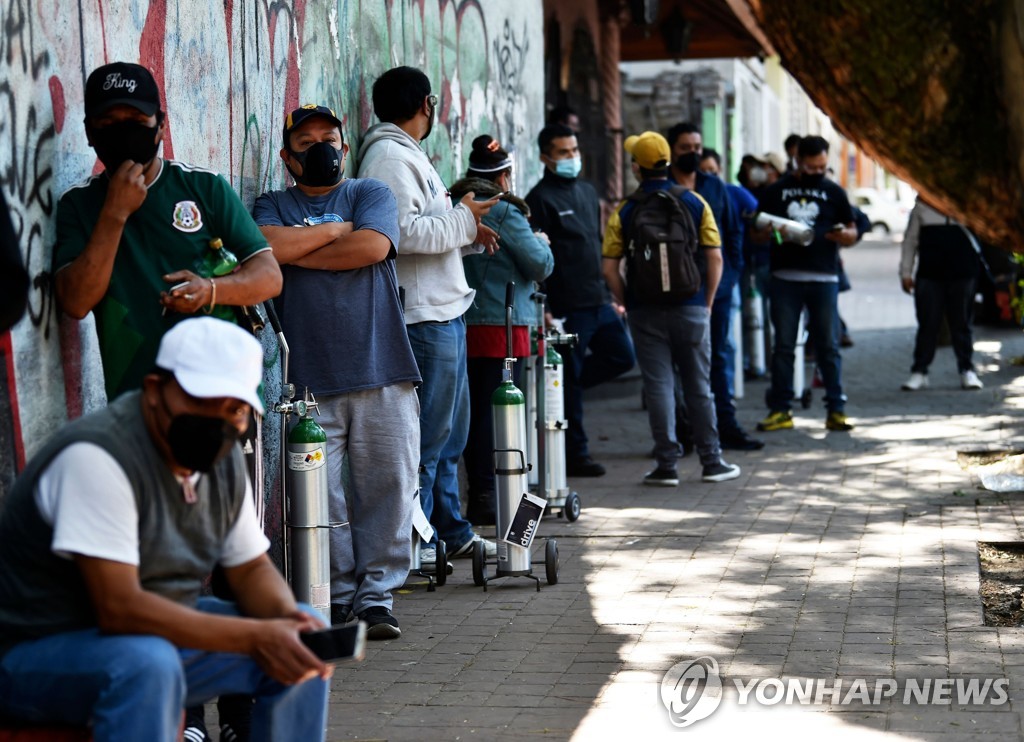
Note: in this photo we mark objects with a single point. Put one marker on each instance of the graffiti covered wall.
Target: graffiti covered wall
(228, 71)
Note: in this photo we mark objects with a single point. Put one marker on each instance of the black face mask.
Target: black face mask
(430, 125)
(124, 140)
(321, 165)
(687, 163)
(812, 179)
(198, 442)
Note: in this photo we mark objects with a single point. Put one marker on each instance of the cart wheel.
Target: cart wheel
(479, 564)
(572, 507)
(441, 563)
(551, 561)
(806, 399)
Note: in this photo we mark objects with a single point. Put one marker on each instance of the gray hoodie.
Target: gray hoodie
(433, 233)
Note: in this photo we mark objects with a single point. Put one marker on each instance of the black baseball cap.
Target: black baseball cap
(121, 83)
(300, 114)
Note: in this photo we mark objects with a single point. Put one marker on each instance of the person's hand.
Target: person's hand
(619, 308)
(843, 237)
(127, 190)
(280, 652)
(188, 293)
(543, 237)
(479, 209)
(908, 285)
(340, 229)
(488, 238)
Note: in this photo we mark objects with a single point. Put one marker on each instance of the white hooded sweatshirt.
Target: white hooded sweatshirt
(433, 233)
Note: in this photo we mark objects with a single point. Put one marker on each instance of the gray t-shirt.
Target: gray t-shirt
(345, 329)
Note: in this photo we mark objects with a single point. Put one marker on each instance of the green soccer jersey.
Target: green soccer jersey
(185, 208)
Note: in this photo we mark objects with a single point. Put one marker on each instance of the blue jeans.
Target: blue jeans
(440, 350)
(602, 332)
(788, 299)
(668, 337)
(723, 355)
(134, 687)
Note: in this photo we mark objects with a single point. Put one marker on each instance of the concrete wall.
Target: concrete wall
(229, 72)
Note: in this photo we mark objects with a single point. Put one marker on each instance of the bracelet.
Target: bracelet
(213, 296)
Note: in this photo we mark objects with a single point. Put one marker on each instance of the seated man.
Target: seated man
(105, 540)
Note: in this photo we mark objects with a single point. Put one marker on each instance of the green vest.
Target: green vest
(179, 543)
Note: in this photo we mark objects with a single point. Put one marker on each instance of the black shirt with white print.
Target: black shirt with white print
(821, 206)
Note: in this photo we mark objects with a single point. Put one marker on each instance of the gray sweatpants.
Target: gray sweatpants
(681, 335)
(377, 432)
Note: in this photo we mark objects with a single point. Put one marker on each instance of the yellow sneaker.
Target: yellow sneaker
(781, 420)
(837, 421)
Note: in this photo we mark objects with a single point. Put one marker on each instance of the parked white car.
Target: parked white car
(886, 215)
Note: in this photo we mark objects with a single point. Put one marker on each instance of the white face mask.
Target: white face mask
(757, 175)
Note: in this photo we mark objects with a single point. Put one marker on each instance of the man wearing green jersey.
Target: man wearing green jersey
(129, 238)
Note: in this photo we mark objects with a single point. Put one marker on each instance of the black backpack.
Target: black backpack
(662, 248)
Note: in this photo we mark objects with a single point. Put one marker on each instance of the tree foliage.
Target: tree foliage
(932, 89)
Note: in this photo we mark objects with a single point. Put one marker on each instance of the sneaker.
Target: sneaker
(970, 380)
(380, 624)
(466, 550)
(915, 382)
(195, 725)
(235, 714)
(339, 614)
(737, 439)
(428, 557)
(778, 420)
(661, 478)
(584, 467)
(720, 472)
(837, 421)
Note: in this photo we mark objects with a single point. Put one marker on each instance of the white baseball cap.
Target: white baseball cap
(213, 358)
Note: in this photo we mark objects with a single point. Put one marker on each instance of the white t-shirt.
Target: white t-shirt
(85, 496)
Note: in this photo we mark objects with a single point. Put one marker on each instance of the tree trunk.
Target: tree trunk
(932, 89)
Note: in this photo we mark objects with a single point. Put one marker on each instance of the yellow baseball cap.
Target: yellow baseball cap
(650, 150)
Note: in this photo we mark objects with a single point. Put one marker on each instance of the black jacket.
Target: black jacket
(569, 213)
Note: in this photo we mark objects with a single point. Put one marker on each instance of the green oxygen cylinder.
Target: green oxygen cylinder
(555, 426)
(308, 517)
(508, 416)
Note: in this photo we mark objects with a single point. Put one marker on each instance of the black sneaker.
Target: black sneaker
(195, 725)
(584, 467)
(662, 478)
(380, 624)
(339, 614)
(235, 714)
(737, 439)
(720, 472)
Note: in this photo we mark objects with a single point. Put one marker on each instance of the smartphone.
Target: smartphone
(175, 287)
(338, 643)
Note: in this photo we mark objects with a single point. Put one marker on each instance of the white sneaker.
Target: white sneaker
(490, 548)
(970, 380)
(915, 382)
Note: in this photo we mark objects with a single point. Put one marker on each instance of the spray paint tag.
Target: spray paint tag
(306, 460)
(525, 521)
(420, 523)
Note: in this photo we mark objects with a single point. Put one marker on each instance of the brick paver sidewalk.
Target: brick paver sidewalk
(834, 557)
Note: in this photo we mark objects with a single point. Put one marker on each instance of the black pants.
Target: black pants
(933, 300)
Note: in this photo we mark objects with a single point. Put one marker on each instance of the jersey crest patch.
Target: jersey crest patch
(187, 217)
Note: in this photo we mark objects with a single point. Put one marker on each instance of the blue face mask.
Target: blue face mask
(569, 167)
